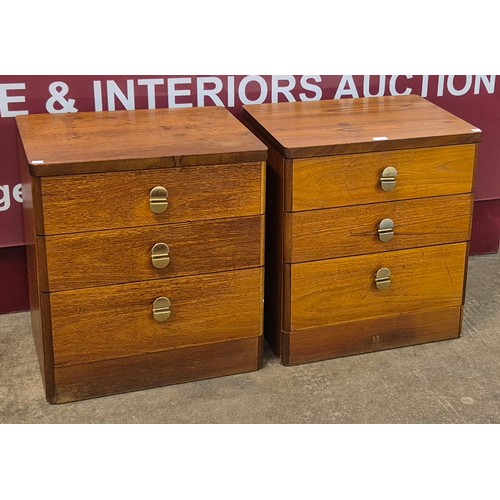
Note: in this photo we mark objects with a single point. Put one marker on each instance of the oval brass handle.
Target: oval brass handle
(158, 200)
(383, 278)
(160, 255)
(386, 230)
(388, 179)
(161, 309)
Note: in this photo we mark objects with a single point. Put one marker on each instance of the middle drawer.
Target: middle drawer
(111, 257)
(344, 231)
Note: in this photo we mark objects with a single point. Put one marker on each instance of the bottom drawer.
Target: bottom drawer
(368, 335)
(104, 323)
(328, 292)
(103, 378)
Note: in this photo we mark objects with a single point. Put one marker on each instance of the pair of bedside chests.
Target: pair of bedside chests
(163, 244)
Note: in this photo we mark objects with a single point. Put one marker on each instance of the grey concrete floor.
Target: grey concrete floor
(456, 381)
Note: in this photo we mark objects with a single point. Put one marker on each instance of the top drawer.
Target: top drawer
(354, 179)
(90, 202)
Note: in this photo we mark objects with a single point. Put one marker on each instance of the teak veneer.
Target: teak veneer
(92, 223)
(339, 281)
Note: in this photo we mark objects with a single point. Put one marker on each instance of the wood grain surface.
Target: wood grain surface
(76, 203)
(37, 271)
(368, 335)
(117, 321)
(88, 142)
(331, 291)
(355, 179)
(124, 255)
(102, 378)
(328, 127)
(340, 232)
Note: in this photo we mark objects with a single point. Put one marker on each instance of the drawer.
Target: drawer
(76, 203)
(331, 291)
(117, 321)
(337, 181)
(111, 257)
(338, 232)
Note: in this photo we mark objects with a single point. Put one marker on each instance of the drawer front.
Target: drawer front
(331, 291)
(117, 321)
(338, 232)
(91, 202)
(338, 181)
(124, 255)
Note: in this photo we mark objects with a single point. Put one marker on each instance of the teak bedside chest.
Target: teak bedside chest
(145, 235)
(369, 218)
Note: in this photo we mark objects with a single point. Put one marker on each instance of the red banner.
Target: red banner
(473, 98)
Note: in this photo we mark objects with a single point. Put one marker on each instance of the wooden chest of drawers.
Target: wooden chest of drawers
(145, 235)
(369, 218)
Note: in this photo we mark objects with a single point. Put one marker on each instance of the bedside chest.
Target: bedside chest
(369, 218)
(145, 233)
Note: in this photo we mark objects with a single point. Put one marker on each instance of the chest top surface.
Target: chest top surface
(322, 128)
(93, 142)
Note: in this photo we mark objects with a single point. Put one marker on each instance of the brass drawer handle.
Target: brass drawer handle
(386, 230)
(158, 200)
(160, 255)
(388, 179)
(161, 309)
(383, 279)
